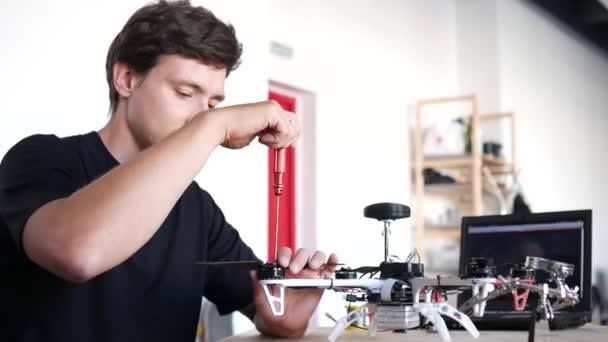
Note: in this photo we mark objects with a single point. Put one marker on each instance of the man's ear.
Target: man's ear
(124, 79)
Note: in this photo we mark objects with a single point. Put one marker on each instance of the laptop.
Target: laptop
(561, 236)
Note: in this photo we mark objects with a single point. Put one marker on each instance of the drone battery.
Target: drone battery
(397, 317)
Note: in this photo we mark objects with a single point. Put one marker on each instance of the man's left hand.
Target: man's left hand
(300, 304)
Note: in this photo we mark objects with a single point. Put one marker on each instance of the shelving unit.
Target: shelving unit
(471, 165)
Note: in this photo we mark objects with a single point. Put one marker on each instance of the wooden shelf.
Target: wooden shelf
(471, 171)
(449, 99)
(493, 161)
(447, 162)
(464, 161)
(447, 186)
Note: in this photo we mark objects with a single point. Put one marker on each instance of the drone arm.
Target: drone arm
(497, 292)
(471, 302)
(551, 293)
(328, 283)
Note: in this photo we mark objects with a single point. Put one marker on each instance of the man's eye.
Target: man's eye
(183, 94)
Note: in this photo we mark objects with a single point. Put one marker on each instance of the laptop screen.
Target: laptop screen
(508, 240)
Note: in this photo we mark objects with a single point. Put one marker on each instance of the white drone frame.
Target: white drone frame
(432, 311)
(483, 289)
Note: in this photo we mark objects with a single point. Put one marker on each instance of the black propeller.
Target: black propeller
(242, 265)
(367, 269)
(246, 264)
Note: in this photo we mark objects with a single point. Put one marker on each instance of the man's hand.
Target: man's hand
(300, 304)
(240, 124)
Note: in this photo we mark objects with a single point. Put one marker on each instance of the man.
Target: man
(100, 233)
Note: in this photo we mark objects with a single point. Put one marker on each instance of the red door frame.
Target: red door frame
(287, 205)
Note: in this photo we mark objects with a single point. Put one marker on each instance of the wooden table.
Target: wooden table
(587, 333)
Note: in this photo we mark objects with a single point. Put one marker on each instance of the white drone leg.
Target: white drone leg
(272, 300)
(345, 322)
(373, 320)
(464, 320)
(430, 312)
(485, 289)
(476, 307)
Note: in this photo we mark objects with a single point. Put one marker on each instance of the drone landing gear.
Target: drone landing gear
(270, 271)
(346, 321)
(433, 312)
(276, 303)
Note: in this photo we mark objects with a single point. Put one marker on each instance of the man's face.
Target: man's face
(169, 95)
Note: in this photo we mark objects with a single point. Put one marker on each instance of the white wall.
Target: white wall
(477, 51)
(558, 86)
(53, 66)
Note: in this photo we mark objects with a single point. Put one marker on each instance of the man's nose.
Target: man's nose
(204, 105)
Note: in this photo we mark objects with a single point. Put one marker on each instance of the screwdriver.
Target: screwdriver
(279, 170)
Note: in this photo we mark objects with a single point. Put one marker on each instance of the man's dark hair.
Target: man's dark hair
(172, 28)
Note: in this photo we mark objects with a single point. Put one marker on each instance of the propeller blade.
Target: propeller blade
(241, 264)
(367, 269)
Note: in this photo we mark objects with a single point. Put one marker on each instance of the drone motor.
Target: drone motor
(522, 271)
(270, 271)
(480, 268)
(346, 273)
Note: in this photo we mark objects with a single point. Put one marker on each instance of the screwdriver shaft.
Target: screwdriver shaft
(279, 170)
(276, 228)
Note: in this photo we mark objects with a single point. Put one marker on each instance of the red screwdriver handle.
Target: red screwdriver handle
(279, 170)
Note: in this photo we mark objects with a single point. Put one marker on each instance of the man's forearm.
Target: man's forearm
(104, 223)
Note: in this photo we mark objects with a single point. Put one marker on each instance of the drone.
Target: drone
(401, 297)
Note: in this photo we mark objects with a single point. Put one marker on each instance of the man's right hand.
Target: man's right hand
(241, 124)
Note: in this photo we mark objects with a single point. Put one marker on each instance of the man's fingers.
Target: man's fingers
(300, 260)
(284, 256)
(283, 131)
(317, 260)
(332, 262)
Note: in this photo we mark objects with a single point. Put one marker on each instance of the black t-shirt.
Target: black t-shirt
(155, 295)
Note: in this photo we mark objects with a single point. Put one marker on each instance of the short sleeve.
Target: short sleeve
(228, 289)
(35, 171)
